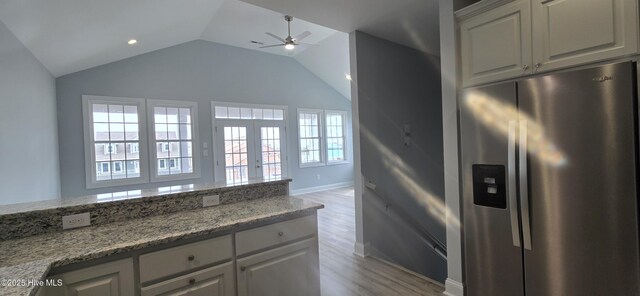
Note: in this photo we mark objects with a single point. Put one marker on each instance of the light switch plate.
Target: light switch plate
(210, 200)
(77, 220)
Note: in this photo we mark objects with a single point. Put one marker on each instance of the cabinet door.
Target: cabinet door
(496, 45)
(213, 281)
(109, 279)
(573, 32)
(289, 270)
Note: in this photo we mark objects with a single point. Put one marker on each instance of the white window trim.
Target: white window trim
(218, 156)
(89, 147)
(321, 133)
(344, 115)
(195, 139)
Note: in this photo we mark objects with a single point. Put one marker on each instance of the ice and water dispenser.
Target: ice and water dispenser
(489, 186)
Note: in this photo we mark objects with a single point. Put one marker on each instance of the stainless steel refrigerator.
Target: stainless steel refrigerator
(549, 181)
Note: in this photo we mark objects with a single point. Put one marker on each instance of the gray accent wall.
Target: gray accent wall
(28, 134)
(398, 86)
(199, 71)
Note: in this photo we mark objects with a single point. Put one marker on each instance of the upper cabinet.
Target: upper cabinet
(502, 39)
(497, 44)
(573, 32)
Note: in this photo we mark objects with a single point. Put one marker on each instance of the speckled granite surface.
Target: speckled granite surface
(32, 257)
(27, 219)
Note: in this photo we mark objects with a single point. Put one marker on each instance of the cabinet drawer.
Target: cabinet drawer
(182, 258)
(214, 281)
(264, 237)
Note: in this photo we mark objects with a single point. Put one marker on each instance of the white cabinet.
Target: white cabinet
(271, 235)
(275, 259)
(213, 281)
(289, 270)
(109, 279)
(174, 260)
(497, 44)
(502, 39)
(572, 32)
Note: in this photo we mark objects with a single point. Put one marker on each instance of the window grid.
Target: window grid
(115, 126)
(236, 154)
(310, 138)
(174, 142)
(248, 113)
(335, 137)
(271, 153)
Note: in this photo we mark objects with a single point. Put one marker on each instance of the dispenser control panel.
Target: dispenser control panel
(489, 186)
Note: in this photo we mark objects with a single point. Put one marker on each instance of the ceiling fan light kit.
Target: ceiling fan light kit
(289, 42)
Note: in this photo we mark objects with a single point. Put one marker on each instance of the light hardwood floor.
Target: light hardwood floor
(342, 272)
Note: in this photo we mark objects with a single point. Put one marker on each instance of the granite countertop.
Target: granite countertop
(33, 257)
(131, 195)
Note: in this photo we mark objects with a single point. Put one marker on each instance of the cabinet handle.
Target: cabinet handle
(191, 257)
(280, 233)
(192, 281)
(537, 65)
(243, 268)
(525, 67)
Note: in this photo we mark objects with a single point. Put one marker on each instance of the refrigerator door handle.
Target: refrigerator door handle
(511, 183)
(524, 188)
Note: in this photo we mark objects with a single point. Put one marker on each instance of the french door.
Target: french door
(250, 149)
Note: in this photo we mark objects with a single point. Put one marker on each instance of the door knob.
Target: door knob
(243, 268)
(191, 257)
(280, 233)
(192, 281)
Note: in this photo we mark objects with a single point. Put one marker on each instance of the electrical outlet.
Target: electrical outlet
(210, 200)
(77, 220)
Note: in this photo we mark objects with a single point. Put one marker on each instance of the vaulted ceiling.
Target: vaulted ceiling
(72, 35)
(413, 23)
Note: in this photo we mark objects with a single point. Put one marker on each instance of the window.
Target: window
(173, 134)
(309, 123)
(110, 149)
(322, 137)
(336, 136)
(134, 148)
(247, 112)
(110, 125)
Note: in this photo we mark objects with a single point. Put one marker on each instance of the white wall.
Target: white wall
(28, 125)
(329, 60)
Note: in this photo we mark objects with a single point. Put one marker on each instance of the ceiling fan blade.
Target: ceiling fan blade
(275, 45)
(302, 35)
(307, 44)
(276, 37)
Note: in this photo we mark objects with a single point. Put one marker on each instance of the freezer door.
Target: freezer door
(581, 173)
(493, 258)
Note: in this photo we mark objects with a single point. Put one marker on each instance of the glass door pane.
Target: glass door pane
(235, 162)
(271, 155)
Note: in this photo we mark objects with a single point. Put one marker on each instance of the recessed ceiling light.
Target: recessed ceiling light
(348, 76)
(132, 42)
(289, 46)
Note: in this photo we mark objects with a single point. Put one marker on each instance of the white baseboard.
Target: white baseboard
(320, 188)
(361, 250)
(453, 288)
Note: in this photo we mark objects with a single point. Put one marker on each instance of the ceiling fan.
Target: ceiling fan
(289, 42)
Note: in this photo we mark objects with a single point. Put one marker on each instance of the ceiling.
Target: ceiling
(237, 23)
(413, 23)
(72, 35)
